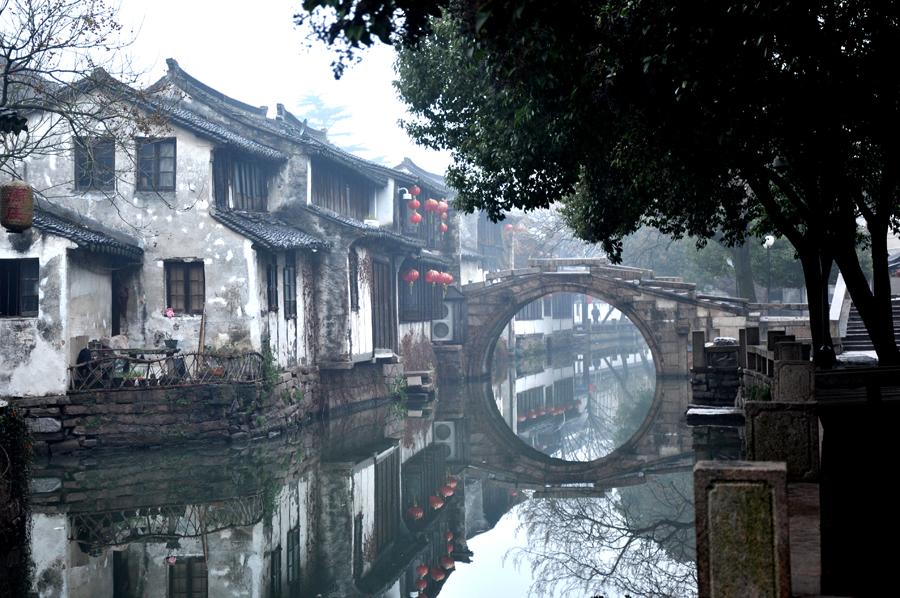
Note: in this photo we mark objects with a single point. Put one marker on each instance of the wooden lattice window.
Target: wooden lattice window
(185, 287)
(272, 287)
(156, 165)
(353, 264)
(240, 182)
(275, 573)
(290, 288)
(532, 311)
(188, 578)
(293, 554)
(95, 164)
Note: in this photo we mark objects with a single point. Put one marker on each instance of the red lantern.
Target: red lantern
(414, 204)
(443, 206)
(541, 412)
(411, 277)
(431, 276)
(590, 388)
(445, 491)
(430, 205)
(415, 218)
(443, 227)
(421, 570)
(513, 492)
(521, 417)
(444, 216)
(448, 535)
(570, 406)
(415, 512)
(438, 574)
(447, 562)
(450, 481)
(532, 414)
(414, 190)
(16, 206)
(436, 502)
(448, 278)
(421, 584)
(507, 227)
(448, 547)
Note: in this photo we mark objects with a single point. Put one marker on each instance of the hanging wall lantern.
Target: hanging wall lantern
(447, 562)
(414, 204)
(430, 205)
(443, 206)
(411, 277)
(436, 502)
(507, 227)
(448, 535)
(445, 491)
(421, 584)
(438, 574)
(16, 206)
(444, 216)
(414, 190)
(415, 218)
(450, 481)
(443, 227)
(422, 570)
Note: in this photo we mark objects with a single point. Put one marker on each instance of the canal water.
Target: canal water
(343, 507)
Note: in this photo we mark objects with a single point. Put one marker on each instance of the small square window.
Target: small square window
(185, 287)
(95, 164)
(19, 288)
(156, 165)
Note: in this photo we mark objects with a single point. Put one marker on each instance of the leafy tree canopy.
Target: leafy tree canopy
(694, 118)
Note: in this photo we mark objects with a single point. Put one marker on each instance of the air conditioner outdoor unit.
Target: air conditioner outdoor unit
(443, 328)
(445, 435)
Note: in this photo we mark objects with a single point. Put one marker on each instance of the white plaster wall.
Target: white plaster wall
(89, 577)
(89, 303)
(545, 325)
(364, 502)
(470, 271)
(287, 337)
(34, 355)
(361, 337)
(49, 551)
(174, 226)
(419, 330)
(384, 204)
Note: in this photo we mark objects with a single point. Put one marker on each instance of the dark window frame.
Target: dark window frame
(190, 565)
(187, 269)
(531, 311)
(563, 305)
(290, 288)
(154, 163)
(272, 286)
(240, 182)
(95, 164)
(353, 275)
(19, 288)
(275, 573)
(425, 302)
(293, 554)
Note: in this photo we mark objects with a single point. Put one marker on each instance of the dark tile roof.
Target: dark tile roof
(469, 254)
(285, 125)
(421, 176)
(203, 127)
(268, 231)
(86, 238)
(364, 230)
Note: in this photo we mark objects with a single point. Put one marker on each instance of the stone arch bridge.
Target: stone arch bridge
(665, 310)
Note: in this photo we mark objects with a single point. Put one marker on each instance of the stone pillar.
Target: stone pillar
(742, 529)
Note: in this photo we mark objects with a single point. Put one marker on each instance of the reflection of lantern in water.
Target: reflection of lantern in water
(436, 502)
(450, 481)
(447, 562)
(415, 512)
(445, 491)
(448, 535)
(422, 570)
(521, 417)
(438, 574)
(421, 584)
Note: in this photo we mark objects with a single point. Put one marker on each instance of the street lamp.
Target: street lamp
(770, 240)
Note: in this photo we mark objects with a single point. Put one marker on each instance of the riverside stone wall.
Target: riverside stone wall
(144, 417)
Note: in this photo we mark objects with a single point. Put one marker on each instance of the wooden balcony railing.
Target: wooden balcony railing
(117, 370)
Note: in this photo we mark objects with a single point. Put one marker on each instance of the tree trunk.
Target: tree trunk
(743, 272)
(818, 306)
(874, 309)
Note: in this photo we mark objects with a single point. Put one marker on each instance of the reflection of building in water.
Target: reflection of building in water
(570, 391)
(325, 510)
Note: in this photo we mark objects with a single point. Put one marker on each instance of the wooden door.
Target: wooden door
(384, 327)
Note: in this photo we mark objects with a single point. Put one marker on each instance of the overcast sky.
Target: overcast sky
(252, 52)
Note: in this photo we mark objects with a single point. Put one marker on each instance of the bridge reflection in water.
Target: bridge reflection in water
(327, 509)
